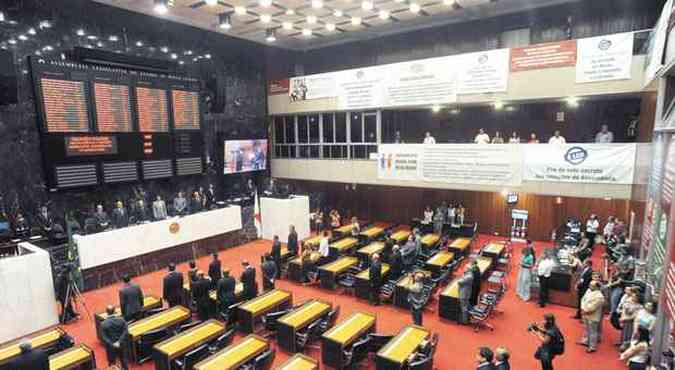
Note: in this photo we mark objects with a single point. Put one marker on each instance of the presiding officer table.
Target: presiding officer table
(299, 362)
(362, 281)
(394, 355)
(79, 357)
(343, 335)
(43, 340)
(249, 311)
(176, 346)
(330, 272)
(235, 355)
(165, 319)
(290, 324)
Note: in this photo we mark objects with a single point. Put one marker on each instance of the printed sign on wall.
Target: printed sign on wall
(605, 58)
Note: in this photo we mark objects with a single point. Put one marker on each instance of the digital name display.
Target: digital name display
(113, 110)
(90, 145)
(185, 110)
(65, 105)
(153, 109)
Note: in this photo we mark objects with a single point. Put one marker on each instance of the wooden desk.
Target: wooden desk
(460, 246)
(400, 235)
(485, 264)
(494, 250)
(402, 286)
(342, 246)
(165, 319)
(42, 339)
(343, 230)
(79, 357)
(329, 273)
(295, 266)
(235, 355)
(299, 362)
(362, 281)
(395, 354)
(313, 241)
(448, 301)
(248, 312)
(291, 323)
(366, 252)
(372, 232)
(343, 335)
(238, 291)
(430, 240)
(149, 303)
(174, 347)
(439, 261)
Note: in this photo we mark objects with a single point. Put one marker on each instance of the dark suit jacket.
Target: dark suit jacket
(375, 273)
(250, 285)
(485, 367)
(173, 287)
(215, 272)
(120, 217)
(226, 287)
(269, 270)
(396, 264)
(35, 359)
(503, 366)
(131, 300)
(114, 329)
(293, 243)
(584, 279)
(276, 251)
(200, 290)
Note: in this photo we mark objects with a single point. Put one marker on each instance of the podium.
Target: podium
(279, 213)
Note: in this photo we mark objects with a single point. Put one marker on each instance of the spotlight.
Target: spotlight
(48, 48)
(23, 37)
(113, 38)
(290, 12)
(572, 101)
(435, 108)
(92, 37)
(317, 4)
(207, 56)
(311, 19)
(99, 44)
(161, 6)
(174, 56)
(384, 15)
(287, 26)
(139, 43)
(306, 32)
(188, 52)
(265, 3)
(224, 21)
(181, 62)
(211, 2)
(356, 21)
(80, 32)
(12, 41)
(338, 13)
(330, 27)
(240, 10)
(498, 105)
(31, 31)
(164, 49)
(415, 8)
(270, 35)
(2, 17)
(45, 24)
(367, 5)
(265, 18)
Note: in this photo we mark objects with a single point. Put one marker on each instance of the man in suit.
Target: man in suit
(276, 252)
(200, 294)
(465, 288)
(120, 216)
(173, 286)
(225, 291)
(475, 289)
(375, 276)
(292, 244)
(30, 358)
(484, 359)
(114, 334)
(248, 279)
(592, 305)
(101, 216)
(159, 209)
(585, 277)
(396, 262)
(215, 271)
(131, 299)
(269, 272)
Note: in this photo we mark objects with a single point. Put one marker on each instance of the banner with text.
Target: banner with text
(580, 163)
(312, 87)
(548, 55)
(454, 163)
(604, 58)
(483, 72)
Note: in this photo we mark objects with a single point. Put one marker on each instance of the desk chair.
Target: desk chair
(479, 315)
(222, 341)
(262, 362)
(270, 322)
(358, 353)
(147, 341)
(377, 341)
(425, 363)
(191, 358)
(329, 321)
(187, 326)
(230, 317)
(347, 281)
(308, 335)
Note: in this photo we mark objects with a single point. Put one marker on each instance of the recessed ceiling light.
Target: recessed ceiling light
(211, 2)
(48, 48)
(23, 37)
(188, 52)
(31, 31)
(161, 6)
(92, 37)
(2, 17)
(306, 32)
(338, 13)
(240, 10)
(290, 12)
(164, 49)
(415, 7)
(11, 41)
(317, 4)
(207, 56)
(113, 38)
(287, 25)
(367, 5)
(330, 27)
(174, 56)
(356, 21)
(311, 19)
(80, 32)
(139, 43)
(45, 24)
(265, 3)
(181, 62)
(265, 18)
(384, 14)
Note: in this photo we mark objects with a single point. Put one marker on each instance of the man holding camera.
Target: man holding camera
(552, 341)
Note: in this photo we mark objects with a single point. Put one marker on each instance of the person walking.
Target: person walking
(416, 298)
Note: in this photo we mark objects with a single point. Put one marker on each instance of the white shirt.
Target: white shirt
(609, 228)
(323, 247)
(514, 140)
(545, 267)
(428, 216)
(429, 140)
(604, 137)
(592, 226)
(557, 140)
(482, 139)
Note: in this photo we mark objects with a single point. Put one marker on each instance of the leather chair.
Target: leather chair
(191, 358)
(187, 326)
(425, 363)
(356, 354)
(377, 341)
(222, 341)
(147, 341)
(329, 321)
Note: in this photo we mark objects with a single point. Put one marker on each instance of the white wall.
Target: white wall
(27, 300)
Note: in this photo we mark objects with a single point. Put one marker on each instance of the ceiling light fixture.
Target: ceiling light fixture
(224, 21)
(367, 5)
(31, 31)
(240, 10)
(311, 19)
(384, 14)
(99, 44)
(356, 21)
(2, 17)
(139, 43)
(92, 37)
(80, 32)
(330, 27)
(174, 56)
(45, 24)
(317, 4)
(270, 35)
(415, 8)
(265, 18)
(287, 26)
(338, 13)
(265, 3)
(23, 37)
(211, 2)
(113, 38)
(161, 6)
(164, 49)
(12, 41)
(306, 32)
(498, 105)
(572, 101)
(290, 12)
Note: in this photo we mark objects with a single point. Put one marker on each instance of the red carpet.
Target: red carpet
(457, 346)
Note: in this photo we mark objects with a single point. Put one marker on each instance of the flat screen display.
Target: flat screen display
(65, 105)
(245, 156)
(153, 109)
(113, 110)
(185, 110)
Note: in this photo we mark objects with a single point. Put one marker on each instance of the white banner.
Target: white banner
(581, 163)
(483, 72)
(361, 88)
(454, 163)
(657, 44)
(604, 58)
(312, 87)
(423, 82)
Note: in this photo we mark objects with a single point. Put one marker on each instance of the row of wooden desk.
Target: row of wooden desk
(77, 357)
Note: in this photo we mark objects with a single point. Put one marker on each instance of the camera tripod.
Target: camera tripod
(72, 293)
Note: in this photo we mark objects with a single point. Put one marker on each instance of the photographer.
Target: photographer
(552, 341)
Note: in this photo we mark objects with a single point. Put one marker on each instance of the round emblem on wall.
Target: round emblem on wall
(576, 155)
(605, 44)
(174, 228)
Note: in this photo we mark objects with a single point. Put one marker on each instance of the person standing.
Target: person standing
(608, 230)
(276, 252)
(324, 248)
(416, 298)
(428, 139)
(465, 290)
(475, 289)
(131, 299)
(172, 286)
(292, 243)
(396, 262)
(544, 269)
(200, 294)
(629, 309)
(29, 358)
(604, 136)
(502, 356)
(482, 137)
(514, 139)
(180, 204)
(192, 272)
(484, 359)
(114, 335)
(215, 270)
(269, 273)
(120, 216)
(226, 292)
(592, 226)
(552, 342)
(498, 139)
(584, 281)
(557, 139)
(592, 305)
(159, 209)
(248, 280)
(525, 275)
(374, 276)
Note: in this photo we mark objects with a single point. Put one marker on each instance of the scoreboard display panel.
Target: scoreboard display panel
(101, 125)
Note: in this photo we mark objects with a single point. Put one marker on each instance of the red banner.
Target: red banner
(549, 55)
(278, 87)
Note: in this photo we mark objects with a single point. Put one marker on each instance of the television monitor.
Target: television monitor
(245, 156)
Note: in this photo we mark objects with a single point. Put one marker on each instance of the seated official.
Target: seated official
(195, 205)
(141, 214)
(226, 291)
(180, 204)
(120, 216)
(308, 265)
(200, 294)
(131, 299)
(102, 219)
(159, 209)
(275, 254)
(335, 219)
(172, 287)
(269, 272)
(356, 227)
(192, 272)
(30, 358)
(114, 335)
